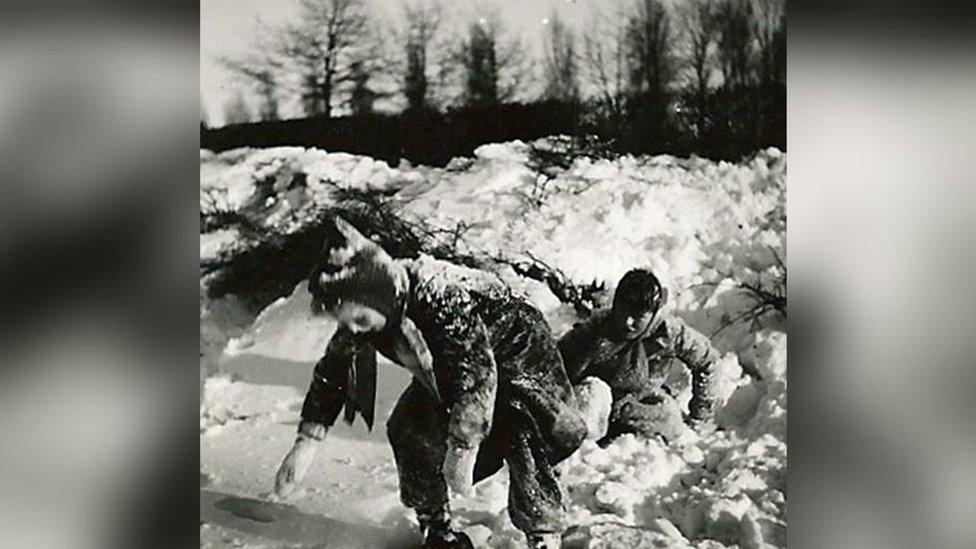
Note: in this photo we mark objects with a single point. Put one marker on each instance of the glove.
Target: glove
(458, 468)
(294, 466)
(595, 401)
(700, 409)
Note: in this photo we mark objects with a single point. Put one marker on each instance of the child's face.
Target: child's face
(636, 322)
(632, 313)
(359, 319)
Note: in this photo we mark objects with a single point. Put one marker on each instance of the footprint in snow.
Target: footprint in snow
(260, 511)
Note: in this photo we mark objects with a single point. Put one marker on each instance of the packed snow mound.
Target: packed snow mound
(286, 329)
(709, 230)
(701, 225)
(243, 173)
(281, 190)
(226, 401)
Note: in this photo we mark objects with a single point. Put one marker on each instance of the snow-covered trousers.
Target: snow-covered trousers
(417, 430)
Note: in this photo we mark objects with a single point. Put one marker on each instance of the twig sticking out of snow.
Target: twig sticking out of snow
(767, 297)
(582, 297)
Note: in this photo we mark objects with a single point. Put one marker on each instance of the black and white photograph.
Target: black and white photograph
(406, 274)
(479, 273)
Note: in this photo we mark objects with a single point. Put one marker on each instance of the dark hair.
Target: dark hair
(638, 290)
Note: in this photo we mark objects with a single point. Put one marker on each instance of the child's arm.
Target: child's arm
(578, 343)
(695, 350)
(465, 345)
(327, 392)
(323, 402)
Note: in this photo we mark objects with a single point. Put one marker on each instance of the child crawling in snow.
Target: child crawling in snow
(631, 347)
(489, 386)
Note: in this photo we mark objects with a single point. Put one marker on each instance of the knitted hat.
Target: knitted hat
(353, 268)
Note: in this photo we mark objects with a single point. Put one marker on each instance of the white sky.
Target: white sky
(226, 28)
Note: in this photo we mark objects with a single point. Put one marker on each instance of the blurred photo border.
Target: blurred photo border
(99, 132)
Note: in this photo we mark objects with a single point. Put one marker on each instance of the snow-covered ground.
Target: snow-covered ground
(702, 226)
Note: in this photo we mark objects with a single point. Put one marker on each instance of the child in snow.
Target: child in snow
(489, 384)
(631, 348)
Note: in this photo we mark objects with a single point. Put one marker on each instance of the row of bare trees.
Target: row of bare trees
(697, 67)
(334, 57)
(693, 64)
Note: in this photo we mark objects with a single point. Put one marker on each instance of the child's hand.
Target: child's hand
(700, 410)
(458, 468)
(294, 466)
(595, 402)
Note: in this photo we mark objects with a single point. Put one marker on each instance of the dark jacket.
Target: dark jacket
(486, 343)
(594, 348)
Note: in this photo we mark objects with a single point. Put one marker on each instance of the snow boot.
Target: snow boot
(544, 541)
(448, 540)
(437, 531)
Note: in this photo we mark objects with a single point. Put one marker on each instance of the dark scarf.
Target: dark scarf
(361, 385)
(355, 268)
(412, 353)
(630, 349)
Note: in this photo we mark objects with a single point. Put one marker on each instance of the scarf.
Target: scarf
(412, 353)
(630, 349)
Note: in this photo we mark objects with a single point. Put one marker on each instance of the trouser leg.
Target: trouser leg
(535, 499)
(418, 435)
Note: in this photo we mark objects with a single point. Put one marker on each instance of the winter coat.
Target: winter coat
(485, 341)
(637, 368)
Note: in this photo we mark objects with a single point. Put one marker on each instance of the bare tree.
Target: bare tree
(236, 110)
(605, 60)
(779, 51)
(492, 67)
(362, 97)
(422, 22)
(651, 71)
(322, 48)
(700, 25)
(767, 29)
(649, 50)
(482, 66)
(311, 57)
(265, 86)
(561, 65)
(260, 69)
(735, 44)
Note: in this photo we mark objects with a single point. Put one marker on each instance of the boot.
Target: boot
(544, 540)
(438, 532)
(448, 540)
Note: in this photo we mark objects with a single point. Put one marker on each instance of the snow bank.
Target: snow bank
(281, 189)
(704, 227)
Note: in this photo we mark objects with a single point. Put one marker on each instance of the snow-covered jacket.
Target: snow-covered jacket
(638, 367)
(486, 344)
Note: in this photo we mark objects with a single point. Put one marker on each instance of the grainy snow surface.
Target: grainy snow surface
(701, 225)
